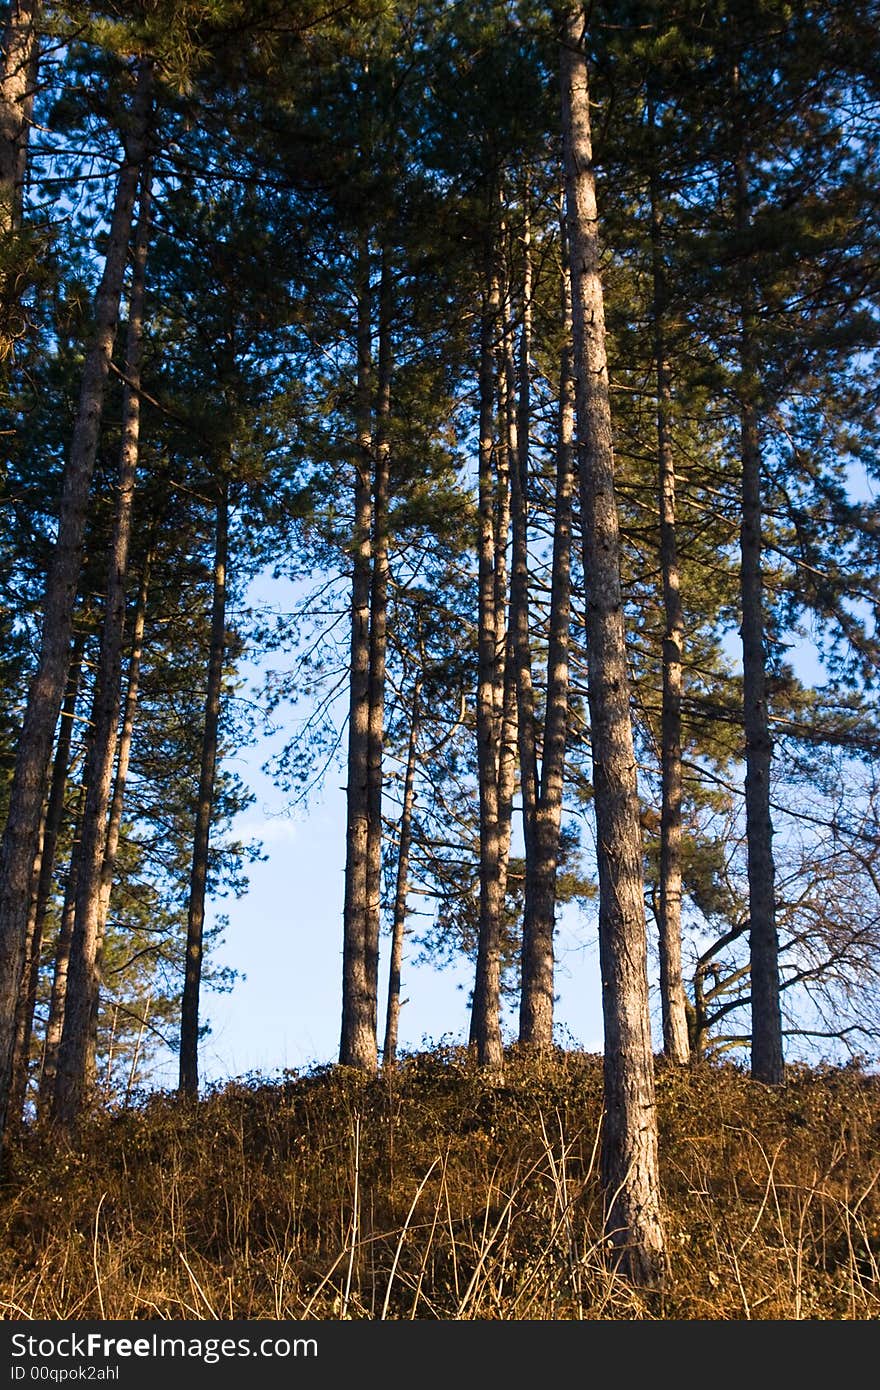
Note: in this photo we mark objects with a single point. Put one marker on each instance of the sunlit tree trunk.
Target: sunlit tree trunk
(358, 1044)
(75, 1057)
(126, 733)
(485, 1032)
(123, 757)
(518, 421)
(17, 76)
(673, 1001)
(398, 925)
(629, 1132)
(506, 682)
(378, 624)
(536, 999)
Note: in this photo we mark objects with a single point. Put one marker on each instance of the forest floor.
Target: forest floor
(432, 1194)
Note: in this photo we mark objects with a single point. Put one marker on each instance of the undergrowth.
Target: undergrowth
(434, 1194)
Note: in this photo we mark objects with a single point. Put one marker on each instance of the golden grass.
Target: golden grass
(434, 1194)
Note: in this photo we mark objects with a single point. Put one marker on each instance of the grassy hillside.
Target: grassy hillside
(435, 1195)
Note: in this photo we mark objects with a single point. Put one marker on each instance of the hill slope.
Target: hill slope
(433, 1194)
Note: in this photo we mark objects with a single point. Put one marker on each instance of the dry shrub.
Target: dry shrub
(436, 1193)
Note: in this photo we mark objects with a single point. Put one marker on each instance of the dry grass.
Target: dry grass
(435, 1195)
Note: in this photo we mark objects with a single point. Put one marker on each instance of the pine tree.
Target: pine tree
(629, 1137)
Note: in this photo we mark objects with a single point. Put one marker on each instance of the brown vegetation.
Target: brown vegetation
(433, 1193)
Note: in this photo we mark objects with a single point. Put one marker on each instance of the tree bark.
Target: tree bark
(539, 917)
(398, 926)
(358, 1044)
(767, 1054)
(21, 837)
(507, 769)
(518, 420)
(189, 1013)
(629, 1133)
(673, 1000)
(58, 998)
(491, 645)
(75, 1056)
(123, 757)
(55, 1023)
(517, 417)
(506, 676)
(126, 733)
(767, 1061)
(17, 78)
(378, 626)
(43, 888)
(24, 1011)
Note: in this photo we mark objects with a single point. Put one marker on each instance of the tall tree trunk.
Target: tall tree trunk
(507, 768)
(21, 837)
(55, 1023)
(358, 1044)
(17, 77)
(123, 757)
(58, 998)
(539, 916)
(629, 1133)
(767, 1053)
(126, 733)
(75, 1062)
(43, 887)
(398, 926)
(518, 416)
(485, 1008)
(378, 626)
(195, 927)
(20, 1055)
(673, 1001)
(506, 684)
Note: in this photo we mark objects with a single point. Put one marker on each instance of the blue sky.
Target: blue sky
(285, 936)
